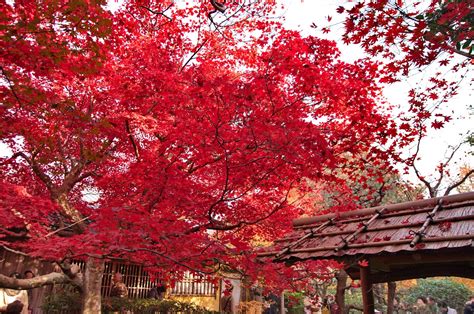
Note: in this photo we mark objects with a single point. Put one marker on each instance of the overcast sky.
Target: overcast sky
(300, 15)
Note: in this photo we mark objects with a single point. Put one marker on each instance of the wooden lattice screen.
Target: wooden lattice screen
(194, 285)
(139, 284)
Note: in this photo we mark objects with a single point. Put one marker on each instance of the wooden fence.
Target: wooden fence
(134, 276)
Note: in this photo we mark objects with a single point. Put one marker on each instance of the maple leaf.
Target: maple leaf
(363, 263)
(340, 9)
(445, 226)
(420, 246)
(437, 124)
(444, 62)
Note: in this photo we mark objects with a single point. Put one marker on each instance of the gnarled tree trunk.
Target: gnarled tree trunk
(91, 298)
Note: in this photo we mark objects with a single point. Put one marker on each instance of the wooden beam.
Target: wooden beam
(366, 287)
(456, 270)
(441, 256)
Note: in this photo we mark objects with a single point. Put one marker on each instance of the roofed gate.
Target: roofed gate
(425, 238)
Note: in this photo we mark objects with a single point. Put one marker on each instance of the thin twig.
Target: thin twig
(66, 227)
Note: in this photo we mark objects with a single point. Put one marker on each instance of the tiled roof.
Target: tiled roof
(426, 225)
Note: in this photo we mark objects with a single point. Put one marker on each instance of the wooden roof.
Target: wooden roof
(426, 237)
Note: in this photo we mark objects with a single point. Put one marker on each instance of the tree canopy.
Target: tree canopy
(161, 126)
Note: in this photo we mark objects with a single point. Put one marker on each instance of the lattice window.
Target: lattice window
(194, 285)
(139, 284)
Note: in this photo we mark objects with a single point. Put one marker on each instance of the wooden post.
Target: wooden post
(366, 287)
(392, 287)
(282, 302)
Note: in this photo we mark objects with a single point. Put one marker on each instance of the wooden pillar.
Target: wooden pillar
(282, 302)
(392, 287)
(366, 287)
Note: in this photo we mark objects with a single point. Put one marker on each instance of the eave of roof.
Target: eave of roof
(441, 223)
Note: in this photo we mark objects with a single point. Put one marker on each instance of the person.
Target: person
(432, 305)
(157, 292)
(9, 296)
(273, 303)
(469, 307)
(327, 304)
(445, 309)
(119, 289)
(330, 305)
(421, 306)
(398, 306)
(33, 295)
(16, 307)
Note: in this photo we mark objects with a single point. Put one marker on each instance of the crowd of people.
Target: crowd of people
(423, 305)
(429, 305)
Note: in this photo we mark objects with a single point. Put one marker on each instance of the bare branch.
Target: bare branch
(6, 248)
(162, 13)
(66, 227)
(461, 181)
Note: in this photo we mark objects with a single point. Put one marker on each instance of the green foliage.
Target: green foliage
(71, 302)
(61, 302)
(294, 302)
(354, 297)
(455, 294)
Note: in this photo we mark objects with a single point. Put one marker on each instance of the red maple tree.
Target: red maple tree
(188, 127)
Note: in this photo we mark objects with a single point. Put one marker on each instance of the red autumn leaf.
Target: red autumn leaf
(437, 124)
(363, 263)
(445, 226)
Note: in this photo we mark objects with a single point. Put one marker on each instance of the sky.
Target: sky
(299, 15)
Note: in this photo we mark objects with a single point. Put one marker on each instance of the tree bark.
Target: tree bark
(379, 293)
(39, 281)
(341, 277)
(392, 287)
(91, 298)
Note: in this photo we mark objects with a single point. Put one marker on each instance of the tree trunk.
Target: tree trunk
(379, 294)
(341, 277)
(392, 287)
(91, 298)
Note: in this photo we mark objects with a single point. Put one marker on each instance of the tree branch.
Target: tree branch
(132, 140)
(449, 189)
(39, 281)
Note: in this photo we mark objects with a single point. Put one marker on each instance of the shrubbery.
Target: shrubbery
(71, 302)
(455, 294)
